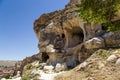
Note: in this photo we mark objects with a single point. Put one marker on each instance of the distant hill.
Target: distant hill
(7, 63)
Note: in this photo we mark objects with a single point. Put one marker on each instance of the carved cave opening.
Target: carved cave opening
(76, 37)
(45, 57)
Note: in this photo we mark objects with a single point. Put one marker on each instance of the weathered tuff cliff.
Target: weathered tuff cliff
(65, 38)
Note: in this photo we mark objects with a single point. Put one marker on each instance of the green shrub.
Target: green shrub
(99, 11)
(114, 26)
(29, 66)
(26, 77)
(7, 76)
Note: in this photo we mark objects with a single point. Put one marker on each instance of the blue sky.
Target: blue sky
(17, 38)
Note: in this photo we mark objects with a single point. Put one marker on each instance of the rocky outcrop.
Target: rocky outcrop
(112, 39)
(62, 34)
(66, 38)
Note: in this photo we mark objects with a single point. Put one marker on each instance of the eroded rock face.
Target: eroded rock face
(65, 38)
(112, 39)
(62, 34)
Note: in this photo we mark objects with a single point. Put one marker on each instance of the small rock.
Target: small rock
(118, 62)
(112, 57)
(48, 68)
(101, 65)
(64, 66)
(58, 67)
(83, 65)
(96, 42)
(108, 34)
(18, 75)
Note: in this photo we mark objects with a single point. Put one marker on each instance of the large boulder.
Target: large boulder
(112, 39)
(96, 42)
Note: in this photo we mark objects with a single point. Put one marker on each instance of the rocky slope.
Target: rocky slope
(65, 38)
(104, 64)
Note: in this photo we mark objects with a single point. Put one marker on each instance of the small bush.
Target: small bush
(7, 76)
(29, 66)
(26, 77)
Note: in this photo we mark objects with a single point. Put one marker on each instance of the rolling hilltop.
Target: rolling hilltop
(7, 63)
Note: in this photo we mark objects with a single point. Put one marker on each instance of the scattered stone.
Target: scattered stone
(112, 57)
(96, 42)
(107, 35)
(101, 65)
(83, 65)
(118, 62)
(60, 67)
(112, 39)
(48, 68)
(64, 66)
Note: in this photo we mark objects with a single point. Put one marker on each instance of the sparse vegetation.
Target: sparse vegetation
(100, 11)
(7, 76)
(29, 66)
(26, 77)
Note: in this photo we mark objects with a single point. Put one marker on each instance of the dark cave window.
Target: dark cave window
(45, 57)
(63, 35)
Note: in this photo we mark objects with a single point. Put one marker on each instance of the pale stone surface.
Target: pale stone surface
(112, 38)
(112, 57)
(48, 68)
(101, 65)
(95, 42)
(50, 48)
(83, 65)
(51, 25)
(118, 62)
(60, 67)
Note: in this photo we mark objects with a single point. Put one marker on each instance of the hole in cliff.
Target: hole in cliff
(45, 57)
(76, 37)
(63, 35)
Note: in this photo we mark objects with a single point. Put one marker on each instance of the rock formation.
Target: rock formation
(65, 38)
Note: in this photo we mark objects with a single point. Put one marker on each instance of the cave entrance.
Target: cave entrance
(45, 57)
(76, 37)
